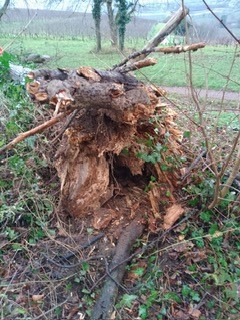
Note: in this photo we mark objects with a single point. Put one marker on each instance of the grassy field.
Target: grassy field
(211, 65)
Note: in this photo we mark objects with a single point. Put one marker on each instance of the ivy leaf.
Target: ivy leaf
(186, 134)
(127, 300)
(142, 313)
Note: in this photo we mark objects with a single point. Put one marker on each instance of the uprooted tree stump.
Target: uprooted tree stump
(119, 124)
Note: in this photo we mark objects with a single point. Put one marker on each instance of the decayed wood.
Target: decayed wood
(140, 64)
(104, 306)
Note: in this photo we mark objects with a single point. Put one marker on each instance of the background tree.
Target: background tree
(122, 20)
(4, 8)
(96, 13)
(119, 15)
(112, 22)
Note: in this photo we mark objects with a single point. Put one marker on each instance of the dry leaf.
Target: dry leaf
(37, 297)
(21, 299)
(195, 256)
(172, 215)
(183, 246)
(195, 313)
(72, 313)
(181, 237)
(180, 315)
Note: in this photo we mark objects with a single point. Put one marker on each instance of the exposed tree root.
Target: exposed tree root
(104, 306)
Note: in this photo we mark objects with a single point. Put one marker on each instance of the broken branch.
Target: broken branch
(165, 50)
(139, 64)
(22, 136)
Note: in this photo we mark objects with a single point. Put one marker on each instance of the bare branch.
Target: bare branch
(165, 50)
(21, 32)
(232, 176)
(22, 136)
(222, 23)
(139, 64)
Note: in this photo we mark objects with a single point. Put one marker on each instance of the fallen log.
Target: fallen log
(104, 306)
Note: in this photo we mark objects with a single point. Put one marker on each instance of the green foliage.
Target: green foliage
(127, 300)
(189, 293)
(152, 151)
(22, 200)
(96, 9)
(5, 60)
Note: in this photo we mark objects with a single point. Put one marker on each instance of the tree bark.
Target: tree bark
(96, 13)
(98, 35)
(112, 23)
(4, 8)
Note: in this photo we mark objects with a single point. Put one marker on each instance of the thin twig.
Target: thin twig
(194, 164)
(222, 23)
(69, 266)
(84, 246)
(21, 32)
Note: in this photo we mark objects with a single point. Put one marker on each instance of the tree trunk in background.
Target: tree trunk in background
(98, 35)
(112, 23)
(4, 8)
(96, 13)
(122, 21)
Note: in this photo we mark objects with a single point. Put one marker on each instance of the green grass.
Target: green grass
(211, 65)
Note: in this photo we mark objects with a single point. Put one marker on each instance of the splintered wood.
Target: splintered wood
(123, 125)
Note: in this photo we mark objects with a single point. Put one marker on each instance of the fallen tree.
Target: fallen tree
(118, 136)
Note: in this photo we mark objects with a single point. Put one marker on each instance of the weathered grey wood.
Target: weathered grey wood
(104, 306)
(168, 28)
